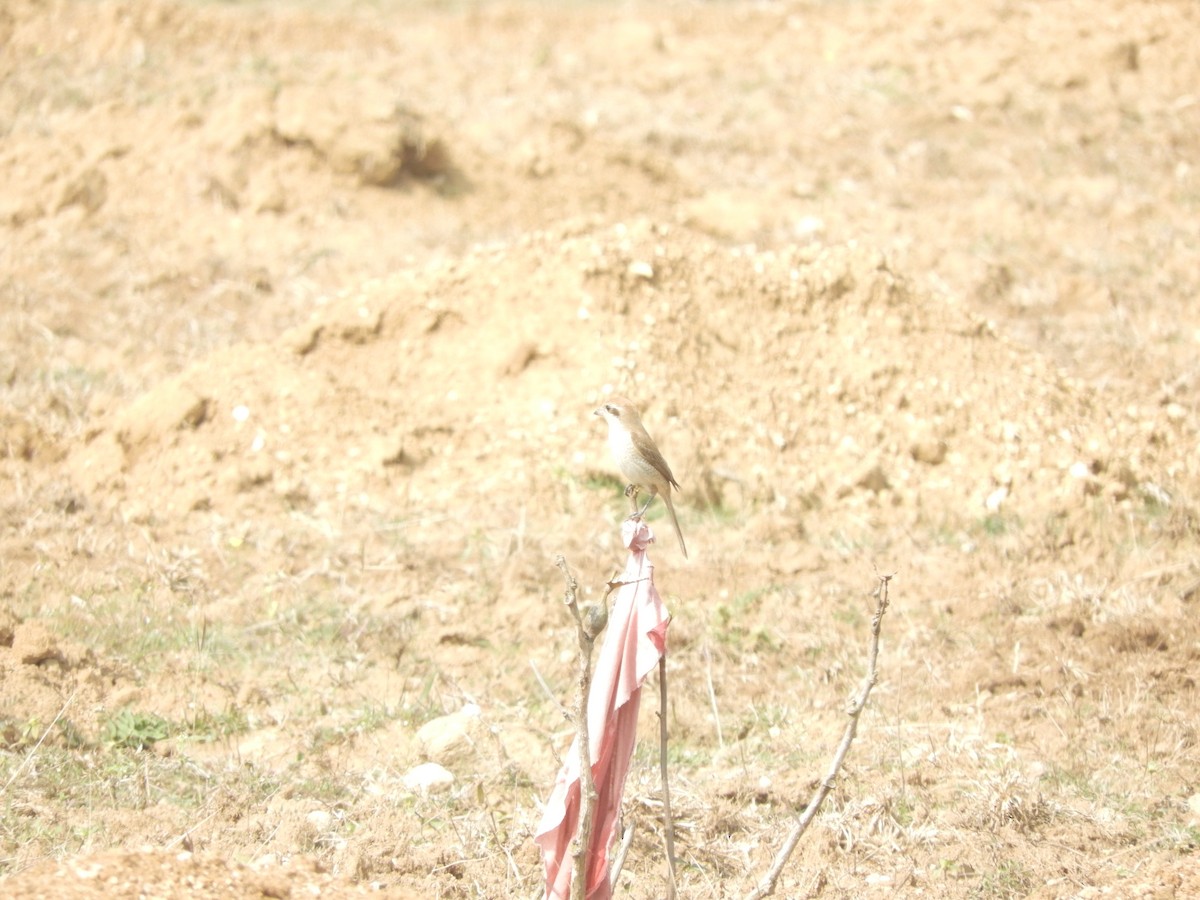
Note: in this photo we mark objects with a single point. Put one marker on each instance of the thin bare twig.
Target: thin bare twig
(546, 688)
(712, 695)
(34, 749)
(668, 819)
(622, 852)
(512, 863)
(766, 887)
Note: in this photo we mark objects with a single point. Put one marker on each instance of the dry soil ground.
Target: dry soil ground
(304, 307)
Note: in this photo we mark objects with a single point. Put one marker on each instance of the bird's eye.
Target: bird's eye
(612, 409)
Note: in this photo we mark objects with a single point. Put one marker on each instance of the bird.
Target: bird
(638, 457)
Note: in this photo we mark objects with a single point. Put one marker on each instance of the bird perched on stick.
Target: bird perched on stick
(638, 457)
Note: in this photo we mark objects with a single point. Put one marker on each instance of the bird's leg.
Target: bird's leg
(649, 500)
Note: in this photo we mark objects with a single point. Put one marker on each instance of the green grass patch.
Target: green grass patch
(134, 730)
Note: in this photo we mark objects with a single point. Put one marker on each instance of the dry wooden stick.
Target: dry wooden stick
(766, 887)
(587, 626)
(668, 819)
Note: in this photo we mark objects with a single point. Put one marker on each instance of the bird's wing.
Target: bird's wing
(646, 447)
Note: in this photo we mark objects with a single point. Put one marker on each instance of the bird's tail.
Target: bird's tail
(675, 521)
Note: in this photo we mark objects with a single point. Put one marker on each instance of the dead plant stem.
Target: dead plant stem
(766, 887)
(668, 819)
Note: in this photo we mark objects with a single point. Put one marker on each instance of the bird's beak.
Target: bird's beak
(599, 411)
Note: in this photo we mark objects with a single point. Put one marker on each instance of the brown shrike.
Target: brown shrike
(638, 458)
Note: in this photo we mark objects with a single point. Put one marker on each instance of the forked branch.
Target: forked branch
(858, 702)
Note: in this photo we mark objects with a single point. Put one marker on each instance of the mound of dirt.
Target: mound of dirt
(800, 380)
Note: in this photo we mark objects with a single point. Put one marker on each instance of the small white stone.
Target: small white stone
(996, 499)
(451, 736)
(808, 226)
(428, 778)
(641, 269)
